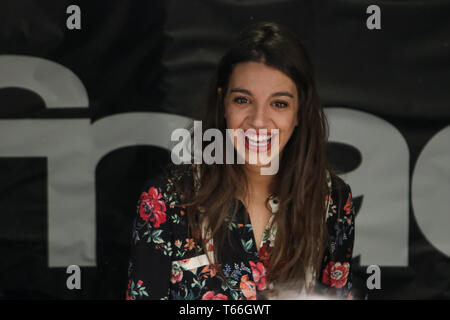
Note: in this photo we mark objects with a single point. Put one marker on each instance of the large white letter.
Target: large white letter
(216, 146)
(382, 178)
(66, 144)
(73, 148)
(430, 189)
(180, 152)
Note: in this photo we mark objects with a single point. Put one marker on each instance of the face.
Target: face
(261, 97)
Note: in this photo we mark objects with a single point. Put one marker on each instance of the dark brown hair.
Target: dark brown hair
(301, 182)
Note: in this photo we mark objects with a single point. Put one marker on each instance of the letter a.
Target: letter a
(74, 20)
(374, 20)
(374, 280)
(73, 281)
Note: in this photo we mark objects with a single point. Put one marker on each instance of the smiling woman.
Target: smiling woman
(225, 231)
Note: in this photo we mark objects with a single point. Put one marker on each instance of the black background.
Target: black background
(158, 56)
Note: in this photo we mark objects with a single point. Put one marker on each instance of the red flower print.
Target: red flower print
(190, 244)
(264, 254)
(335, 274)
(127, 296)
(348, 205)
(139, 283)
(210, 295)
(248, 288)
(209, 271)
(259, 274)
(176, 275)
(152, 208)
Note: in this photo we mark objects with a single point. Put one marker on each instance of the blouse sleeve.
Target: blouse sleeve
(336, 274)
(345, 251)
(151, 247)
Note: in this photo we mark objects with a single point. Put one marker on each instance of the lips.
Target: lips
(258, 143)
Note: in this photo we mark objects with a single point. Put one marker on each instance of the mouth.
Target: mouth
(258, 142)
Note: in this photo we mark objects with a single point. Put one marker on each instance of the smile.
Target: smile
(258, 143)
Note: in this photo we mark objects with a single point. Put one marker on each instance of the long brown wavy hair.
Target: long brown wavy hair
(301, 182)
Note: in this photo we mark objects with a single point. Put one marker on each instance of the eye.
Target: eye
(280, 104)
(240, 100)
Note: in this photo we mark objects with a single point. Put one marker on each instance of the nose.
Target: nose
(259, 117)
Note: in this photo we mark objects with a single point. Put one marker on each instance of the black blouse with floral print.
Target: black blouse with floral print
(165, 265)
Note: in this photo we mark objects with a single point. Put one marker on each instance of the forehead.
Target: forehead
(260, 79)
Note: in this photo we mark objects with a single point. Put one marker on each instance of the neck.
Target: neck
(258, 184)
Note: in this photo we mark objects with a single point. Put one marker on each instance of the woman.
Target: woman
(225, 231)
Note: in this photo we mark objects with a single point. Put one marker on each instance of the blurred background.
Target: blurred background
(89, 96)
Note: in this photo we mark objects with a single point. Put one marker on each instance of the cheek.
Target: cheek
(286, 128)
(287, 124)
(234, 118)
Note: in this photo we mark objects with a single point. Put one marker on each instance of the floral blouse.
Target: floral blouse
(164, 265)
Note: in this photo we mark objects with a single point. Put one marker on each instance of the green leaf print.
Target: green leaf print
(175, 218)
(156, 235)
(247, 245)
(232, 225)
(168, 249)
(137, 289)
(235, 294)
(224, 286)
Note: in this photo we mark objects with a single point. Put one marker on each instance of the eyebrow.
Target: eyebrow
(275, 94)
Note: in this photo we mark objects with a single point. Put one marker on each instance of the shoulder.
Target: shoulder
(152, 204)
(167, 183)
(160, 196)
(340, 190)
(341, 207)
(156, 197)
(338, 185)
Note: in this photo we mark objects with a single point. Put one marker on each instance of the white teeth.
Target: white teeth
(258, 138)
(262, 143)
(258, 141)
